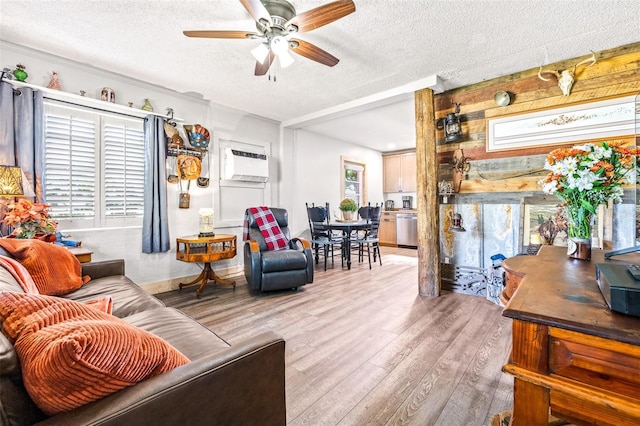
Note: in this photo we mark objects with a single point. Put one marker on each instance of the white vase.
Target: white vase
(347, 215)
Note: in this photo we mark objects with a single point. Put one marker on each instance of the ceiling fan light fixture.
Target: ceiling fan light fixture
(260, 52)
(285, 59)
(279, 45)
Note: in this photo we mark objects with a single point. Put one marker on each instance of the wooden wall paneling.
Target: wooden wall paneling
(508, 175)
(614, 75)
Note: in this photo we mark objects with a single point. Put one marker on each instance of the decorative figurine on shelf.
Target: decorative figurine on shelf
(54, 83)
(108, 95)
(147, 106)
(6, 73)
(19, 73)
(82, 93)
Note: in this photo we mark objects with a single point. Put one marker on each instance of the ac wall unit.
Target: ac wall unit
(245, 166)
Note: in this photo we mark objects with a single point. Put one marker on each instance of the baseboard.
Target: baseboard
(172, 284)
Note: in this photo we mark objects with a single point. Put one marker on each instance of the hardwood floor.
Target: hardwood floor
(362, 347)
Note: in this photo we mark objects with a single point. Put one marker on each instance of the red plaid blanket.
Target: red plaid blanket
(268, 226)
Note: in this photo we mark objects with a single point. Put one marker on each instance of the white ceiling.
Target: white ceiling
(383, 46)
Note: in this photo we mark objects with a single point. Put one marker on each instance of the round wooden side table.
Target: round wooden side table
(196, 249)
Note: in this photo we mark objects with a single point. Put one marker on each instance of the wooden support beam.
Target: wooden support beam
(427, 179)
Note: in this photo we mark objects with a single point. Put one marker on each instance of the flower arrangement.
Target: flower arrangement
(29, 218)
(587, 175)
(348, 205)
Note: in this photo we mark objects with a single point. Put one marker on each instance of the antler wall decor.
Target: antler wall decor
(567, 77)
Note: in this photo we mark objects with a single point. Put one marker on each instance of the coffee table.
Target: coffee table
(196, 249)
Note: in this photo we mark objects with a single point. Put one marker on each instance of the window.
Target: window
(353, 181)
(94, 167)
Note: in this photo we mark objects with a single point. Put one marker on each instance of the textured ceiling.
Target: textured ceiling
(384, 45)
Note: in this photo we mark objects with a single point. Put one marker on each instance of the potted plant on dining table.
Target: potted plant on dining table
(348, 207)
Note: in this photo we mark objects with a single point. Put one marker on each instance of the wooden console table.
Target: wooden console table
(206, 250)
(570, 353)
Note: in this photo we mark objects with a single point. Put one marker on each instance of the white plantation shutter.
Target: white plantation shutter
(94, 165)
(70, 164)
(123, 168)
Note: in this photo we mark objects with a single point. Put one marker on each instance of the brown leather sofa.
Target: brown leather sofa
(223, 384)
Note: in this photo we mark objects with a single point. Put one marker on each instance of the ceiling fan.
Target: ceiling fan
(276, 22)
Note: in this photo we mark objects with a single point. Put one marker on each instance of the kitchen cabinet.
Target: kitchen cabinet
(387, 229)
(400, 172)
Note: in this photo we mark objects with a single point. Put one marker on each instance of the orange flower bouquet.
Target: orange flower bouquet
(29, 219)
(585, 176)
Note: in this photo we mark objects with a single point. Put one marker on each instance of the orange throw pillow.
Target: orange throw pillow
(72, 354)
(54, 269)
(104, 304)
(20, 274)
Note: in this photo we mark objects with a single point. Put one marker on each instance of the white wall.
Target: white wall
(311, 173)
(304, 166)
(156, 272)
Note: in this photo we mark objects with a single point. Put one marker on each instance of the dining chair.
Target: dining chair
(369, 237)
(321, 236)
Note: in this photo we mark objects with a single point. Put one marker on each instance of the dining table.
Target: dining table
(347, 227)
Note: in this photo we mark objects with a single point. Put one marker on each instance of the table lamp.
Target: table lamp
(205, 226)
(11, 182)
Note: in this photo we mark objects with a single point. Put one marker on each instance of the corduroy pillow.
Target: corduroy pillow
(20, 273)
(104, 304)
(55, 270)
(72, 354)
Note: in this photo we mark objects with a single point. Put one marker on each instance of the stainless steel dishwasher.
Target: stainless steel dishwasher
(407, 229)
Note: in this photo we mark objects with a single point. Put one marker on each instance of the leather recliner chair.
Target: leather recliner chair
(268, 270)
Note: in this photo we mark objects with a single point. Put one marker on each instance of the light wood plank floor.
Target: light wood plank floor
(362, 347)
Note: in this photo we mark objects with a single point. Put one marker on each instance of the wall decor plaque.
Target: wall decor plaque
(604, 119)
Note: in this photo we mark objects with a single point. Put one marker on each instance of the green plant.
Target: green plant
(348, 205)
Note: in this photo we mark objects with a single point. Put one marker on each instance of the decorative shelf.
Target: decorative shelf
(174, 152)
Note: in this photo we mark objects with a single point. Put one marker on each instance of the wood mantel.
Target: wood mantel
(570, 353)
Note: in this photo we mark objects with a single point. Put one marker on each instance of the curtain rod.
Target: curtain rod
(74, 99)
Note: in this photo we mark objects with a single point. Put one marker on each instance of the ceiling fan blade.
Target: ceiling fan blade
(322, 15)
(221, 34)
(263, 67)
(313, 52)
(257, 10)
